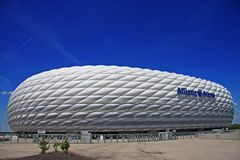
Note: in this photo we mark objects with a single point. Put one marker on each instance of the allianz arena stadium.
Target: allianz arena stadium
(113, 98)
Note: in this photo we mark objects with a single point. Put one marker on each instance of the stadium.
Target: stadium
(113, 99)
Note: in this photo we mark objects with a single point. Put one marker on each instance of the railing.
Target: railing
(108, 138)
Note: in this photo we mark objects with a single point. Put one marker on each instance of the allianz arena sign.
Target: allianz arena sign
(197, 93)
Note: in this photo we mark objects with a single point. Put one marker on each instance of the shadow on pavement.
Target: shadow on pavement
(54, 156)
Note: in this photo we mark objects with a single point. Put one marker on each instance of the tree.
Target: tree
(65, 146)
(55, 146)
(43, 145)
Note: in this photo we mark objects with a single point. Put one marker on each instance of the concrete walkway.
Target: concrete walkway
(187, 149)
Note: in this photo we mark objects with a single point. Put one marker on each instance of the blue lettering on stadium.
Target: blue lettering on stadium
(197, 93)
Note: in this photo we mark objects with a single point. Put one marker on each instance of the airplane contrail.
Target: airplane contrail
(16, 49)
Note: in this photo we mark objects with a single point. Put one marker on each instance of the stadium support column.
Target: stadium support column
(86, 137)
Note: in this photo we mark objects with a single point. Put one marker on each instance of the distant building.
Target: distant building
(113, 98)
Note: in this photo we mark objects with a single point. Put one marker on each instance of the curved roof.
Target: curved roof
(102, 92)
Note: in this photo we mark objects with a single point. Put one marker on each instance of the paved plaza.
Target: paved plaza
(186, 149)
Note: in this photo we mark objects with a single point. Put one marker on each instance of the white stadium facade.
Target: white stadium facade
(113, 98)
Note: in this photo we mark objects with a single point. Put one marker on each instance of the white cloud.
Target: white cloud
(5, 92)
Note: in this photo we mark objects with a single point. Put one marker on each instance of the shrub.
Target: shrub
(55, 146)
(65, 146)
(43, 145)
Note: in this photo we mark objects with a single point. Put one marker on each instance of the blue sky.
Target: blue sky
(197, 38)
